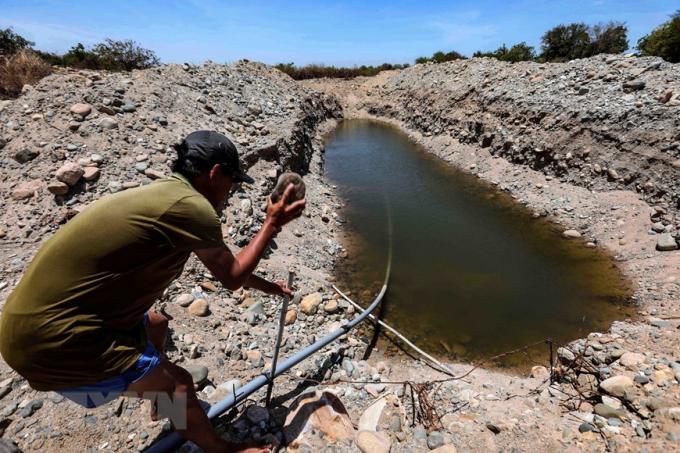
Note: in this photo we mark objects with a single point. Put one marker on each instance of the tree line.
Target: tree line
(20, 61)
(579, 40)
(561, 43)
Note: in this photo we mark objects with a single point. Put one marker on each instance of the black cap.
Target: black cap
(214, 148)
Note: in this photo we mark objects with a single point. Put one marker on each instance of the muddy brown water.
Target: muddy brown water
(473, 273)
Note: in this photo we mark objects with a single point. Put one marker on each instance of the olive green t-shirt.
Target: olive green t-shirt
(76, 316)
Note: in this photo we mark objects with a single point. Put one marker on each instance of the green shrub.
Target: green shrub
(124, 55)
(518, 52)
(663, 41)
(578, 40)
(441, 57)
(609, 38)
(314, 71)
(565, 42)
(110, 55)
(11, 42)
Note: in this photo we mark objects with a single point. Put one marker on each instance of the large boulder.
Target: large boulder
(318, 411)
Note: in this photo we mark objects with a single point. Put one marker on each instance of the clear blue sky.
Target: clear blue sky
(320, 31)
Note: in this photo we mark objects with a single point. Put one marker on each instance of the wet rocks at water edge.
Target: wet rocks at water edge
(571, 234)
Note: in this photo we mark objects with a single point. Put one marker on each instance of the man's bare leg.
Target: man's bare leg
(157, 330)
(174, 381)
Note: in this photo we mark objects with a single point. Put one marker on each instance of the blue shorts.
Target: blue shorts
(94, 395)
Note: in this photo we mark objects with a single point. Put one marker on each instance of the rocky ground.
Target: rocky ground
(577, 142)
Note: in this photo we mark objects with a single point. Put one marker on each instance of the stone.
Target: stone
(317, 411)
(617, 385)
(108, 124)
(565, 355)
(373, 442)
(658, 227)
(331, 306)
(540, 372)
(6, 387)
(208, 286)
(632, 360)
(8, 446)
(291, 317)
(199, 307)
(435, 440)
(106, 109)
(666, 243)
(310, 303)
(658, 322)
(184, 300)
(26, 155)
(661, 377)
(586, 428)
(247, 206)
(58, 187)
(371, 416)
(493, 428)
(154, 174)
(254, 357)
(633, 85)
(69, 173)
(199, 374)
(81, 109)
(641, 379)
(30, 408)
(26, 189)
(571, 234)
(374, 389)
(91, 173)
(607, 411)
(257, 308)
(257, 414)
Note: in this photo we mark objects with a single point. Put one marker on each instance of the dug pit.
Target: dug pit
(474, 274)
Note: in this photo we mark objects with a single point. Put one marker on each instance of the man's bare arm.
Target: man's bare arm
(233, 271)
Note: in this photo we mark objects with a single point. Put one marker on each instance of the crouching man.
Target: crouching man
(78, 322)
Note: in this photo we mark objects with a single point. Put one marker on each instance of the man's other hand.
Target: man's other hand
(283, 211)
(281, 289)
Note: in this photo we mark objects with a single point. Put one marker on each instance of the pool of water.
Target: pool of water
(473, 274)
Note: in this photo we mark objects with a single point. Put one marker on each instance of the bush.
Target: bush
(663, 41)
(578, 40)
(609, 38)
(11, 43)
(441, 57)
(314, 71)
(124, 55)
(565, 42)
(518, 52)
(111, 55)
(24, 67)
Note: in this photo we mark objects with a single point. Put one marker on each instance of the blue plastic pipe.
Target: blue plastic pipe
(174, 440)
